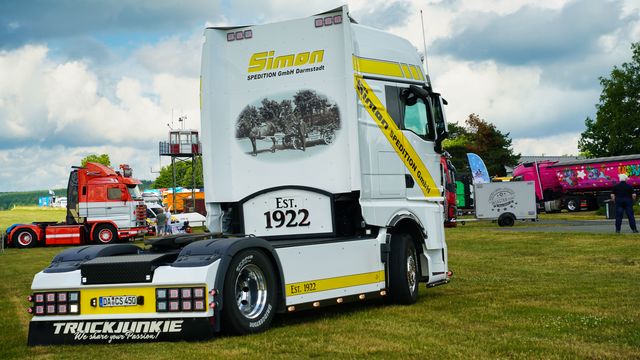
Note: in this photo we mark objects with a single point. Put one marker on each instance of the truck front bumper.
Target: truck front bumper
(119, 330)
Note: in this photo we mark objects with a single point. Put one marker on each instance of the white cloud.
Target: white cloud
(514, 98)
(173, 55)
(38, 168)
(561, 144)
(53, 114)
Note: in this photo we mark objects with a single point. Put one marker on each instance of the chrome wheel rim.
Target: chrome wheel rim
(25, 238)
(251, 291)
(412, 273)
(105, 235)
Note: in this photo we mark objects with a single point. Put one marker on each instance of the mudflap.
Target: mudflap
(76, 332)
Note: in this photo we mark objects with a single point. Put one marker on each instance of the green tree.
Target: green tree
(484, 139)
(616, 129)
(100, 159)
(183, 175)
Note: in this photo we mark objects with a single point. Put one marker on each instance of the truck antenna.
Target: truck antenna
(424, 43)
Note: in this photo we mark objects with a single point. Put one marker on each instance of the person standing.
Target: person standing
(161, 222)
(624, 197)
(168, 227)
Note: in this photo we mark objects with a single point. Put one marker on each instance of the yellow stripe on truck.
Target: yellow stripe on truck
(377, 67)
(340, 282)
(396, 138)
(387, 68)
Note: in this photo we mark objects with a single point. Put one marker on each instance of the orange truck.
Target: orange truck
(103, 206)
(183, 200)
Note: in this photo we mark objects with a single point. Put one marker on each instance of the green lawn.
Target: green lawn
(514, 295)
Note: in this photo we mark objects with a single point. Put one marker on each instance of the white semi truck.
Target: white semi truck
(321, 142)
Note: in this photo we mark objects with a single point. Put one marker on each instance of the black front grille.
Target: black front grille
(122, 269)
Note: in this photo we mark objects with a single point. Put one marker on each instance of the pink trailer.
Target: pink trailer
(578, 184)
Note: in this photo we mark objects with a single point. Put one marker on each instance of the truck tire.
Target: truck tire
(507, 219)
(403, 270)
(249, 295)
(24, 238)
(573, 204)
(105, 234)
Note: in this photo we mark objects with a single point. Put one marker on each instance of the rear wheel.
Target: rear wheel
(506, 220)
(249, 295)
(573, 204)
(105, 234)
(24, 238)
(403, 270)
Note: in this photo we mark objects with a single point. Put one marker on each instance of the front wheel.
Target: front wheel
(24, 238)
(249, 295)
(403, 270)
(105, 234)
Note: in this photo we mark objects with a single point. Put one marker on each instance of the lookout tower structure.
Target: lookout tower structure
(183, 146)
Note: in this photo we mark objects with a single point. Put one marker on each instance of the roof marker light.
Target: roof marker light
(231, 36)
(328, 21)
(337, 19)
(319, 23)
(248, 34)
(239, 35)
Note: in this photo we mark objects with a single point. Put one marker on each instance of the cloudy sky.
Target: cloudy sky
(81, 77)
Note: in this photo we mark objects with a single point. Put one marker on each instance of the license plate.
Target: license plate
(124, 300)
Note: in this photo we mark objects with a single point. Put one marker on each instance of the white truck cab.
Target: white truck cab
(321, 152)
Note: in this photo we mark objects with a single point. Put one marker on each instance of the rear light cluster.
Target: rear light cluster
(328, 21)
(55, 303)
(181, 299)
(239, 35)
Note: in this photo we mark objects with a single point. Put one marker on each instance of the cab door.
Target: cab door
(118, 209)
(413, 113)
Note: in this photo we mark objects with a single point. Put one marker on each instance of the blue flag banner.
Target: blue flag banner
(478, 169)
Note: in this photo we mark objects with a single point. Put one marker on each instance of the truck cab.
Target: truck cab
(321, 143)
(103, 206)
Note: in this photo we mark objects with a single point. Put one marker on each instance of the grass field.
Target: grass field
(513, 295)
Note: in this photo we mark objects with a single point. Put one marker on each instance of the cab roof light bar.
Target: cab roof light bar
(240, 35)
(328, 21)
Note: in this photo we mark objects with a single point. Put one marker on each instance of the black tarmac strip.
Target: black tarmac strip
(578, 226)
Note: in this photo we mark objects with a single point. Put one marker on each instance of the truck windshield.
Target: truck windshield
(134, 191)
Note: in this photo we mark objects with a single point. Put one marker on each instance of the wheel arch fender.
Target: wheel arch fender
(225, 249)
(237, 245)
(409, 223)
(92, 226)
(17, 227)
